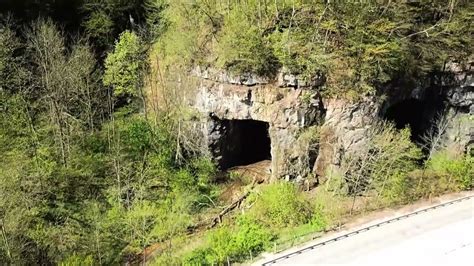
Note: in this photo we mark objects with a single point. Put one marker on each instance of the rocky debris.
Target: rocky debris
(290, 80)
(458, 74)
(258, 172)
(462, 97)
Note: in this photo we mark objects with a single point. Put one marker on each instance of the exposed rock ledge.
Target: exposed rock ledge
(283, 79)
(289, 108)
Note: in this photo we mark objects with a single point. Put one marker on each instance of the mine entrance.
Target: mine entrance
(419, 115)
(407, 113)
(241, 142)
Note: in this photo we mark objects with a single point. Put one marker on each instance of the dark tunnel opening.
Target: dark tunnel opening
(240, 142)
(419, 115)
(408, 113)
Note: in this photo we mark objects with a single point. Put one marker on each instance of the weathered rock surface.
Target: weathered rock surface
(460, 112)
(286, 79)
(291, 106)
(288, 111)
(227, 78)
(344, 131)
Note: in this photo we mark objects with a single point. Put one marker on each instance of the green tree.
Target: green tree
(67, 82)
(124, 65)
(99, 25)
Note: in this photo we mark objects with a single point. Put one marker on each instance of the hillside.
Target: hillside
(206, 132)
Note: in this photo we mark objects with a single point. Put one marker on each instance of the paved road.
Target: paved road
(443, 236)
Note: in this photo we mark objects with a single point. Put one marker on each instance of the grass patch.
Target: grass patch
(231, 243)
(454, 171)
(280, 205)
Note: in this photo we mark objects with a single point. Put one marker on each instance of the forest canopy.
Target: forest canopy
(356, 46)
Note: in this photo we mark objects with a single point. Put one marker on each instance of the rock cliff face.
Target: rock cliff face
(447, 96)
(248, 118)
(228, 106)
(344, 130)
(459, 94)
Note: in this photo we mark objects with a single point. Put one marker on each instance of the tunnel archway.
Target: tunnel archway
(417, 114)
(240, 142)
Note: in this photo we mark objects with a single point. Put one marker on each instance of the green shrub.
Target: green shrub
(395, 156)
(457, 170)
(221, 245)
(335, 182)
(297, 54)
(382, 165)
(280, 205)
(137, 135)
(169, 258)
(197, 257)
(227, 244)
(319, 221)
(251, 236)
(204, 170)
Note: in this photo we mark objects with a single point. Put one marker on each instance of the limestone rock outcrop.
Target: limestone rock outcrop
(460, 108)
(344, 130)
(288, 112)
(291, 106)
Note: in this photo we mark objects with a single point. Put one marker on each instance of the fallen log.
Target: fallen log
(233, 205)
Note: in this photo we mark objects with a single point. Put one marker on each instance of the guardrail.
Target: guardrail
(365, 229)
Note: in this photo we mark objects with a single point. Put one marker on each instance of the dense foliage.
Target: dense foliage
(89, 177)
(354, 46)
(83, 176)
